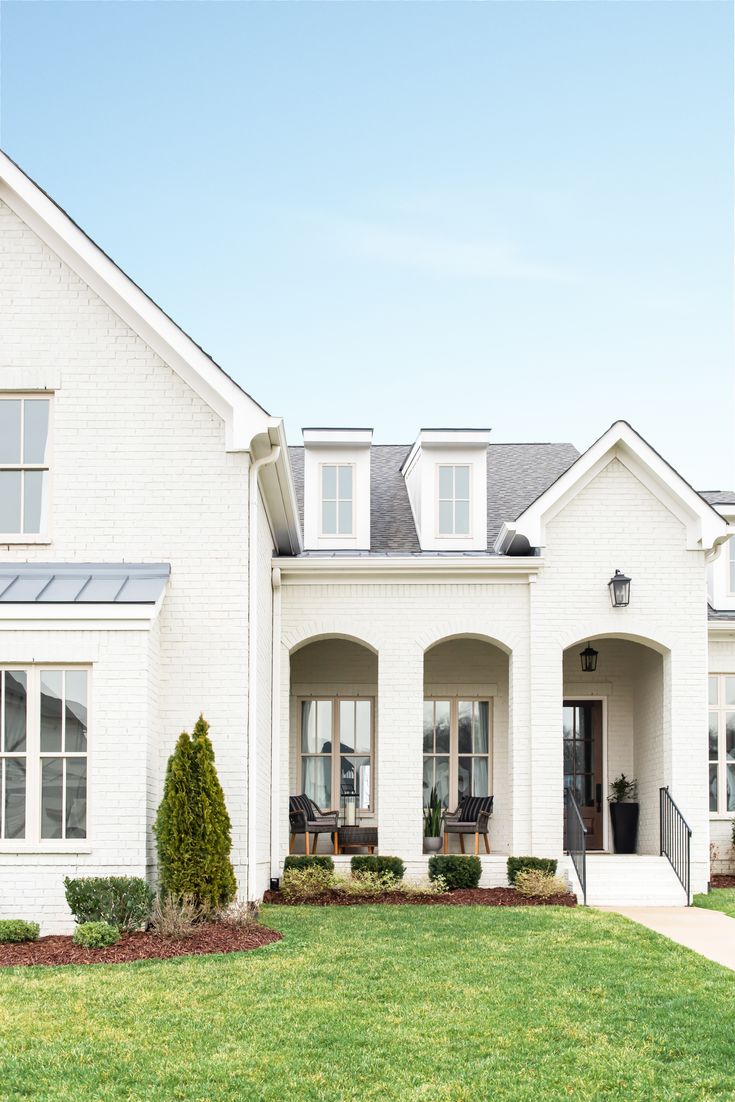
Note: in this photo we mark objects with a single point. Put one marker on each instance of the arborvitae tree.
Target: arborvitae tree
(192, 826)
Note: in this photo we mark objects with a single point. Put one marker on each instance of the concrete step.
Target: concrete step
(622, 880)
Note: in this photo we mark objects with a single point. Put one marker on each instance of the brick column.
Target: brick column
(400, 748)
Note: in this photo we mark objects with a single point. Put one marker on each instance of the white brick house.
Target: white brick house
(343, 612)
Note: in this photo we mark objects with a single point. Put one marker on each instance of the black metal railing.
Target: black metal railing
(576, 837)
(676, 837)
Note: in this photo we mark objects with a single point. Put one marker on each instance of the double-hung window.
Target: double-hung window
(454, 500)
(457, 740)
(721, 744)
(24, 465)
(337, 499)
(336, 750)
(43, 754)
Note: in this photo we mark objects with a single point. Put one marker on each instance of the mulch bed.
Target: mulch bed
(723, 881)
(485, 897)
(210, 937)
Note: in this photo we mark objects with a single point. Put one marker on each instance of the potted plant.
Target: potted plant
(433, 823)
(624, 811)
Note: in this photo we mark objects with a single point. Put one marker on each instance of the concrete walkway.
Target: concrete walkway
(710, 933)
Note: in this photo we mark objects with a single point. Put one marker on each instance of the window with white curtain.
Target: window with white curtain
(337, 517)
(721, 744)
(457, 748)
(43, 754)
(336, 750)
(24, 465)
(454, 500)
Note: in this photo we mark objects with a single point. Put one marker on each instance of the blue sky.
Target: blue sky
(404, 214)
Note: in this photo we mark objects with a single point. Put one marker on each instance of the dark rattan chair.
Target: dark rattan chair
(471, 817)
(306, 818)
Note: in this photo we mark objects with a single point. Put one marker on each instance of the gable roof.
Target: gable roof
(248, 427)
(516, 474)
(704, 525)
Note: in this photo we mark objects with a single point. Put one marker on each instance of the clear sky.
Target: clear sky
(402, 214)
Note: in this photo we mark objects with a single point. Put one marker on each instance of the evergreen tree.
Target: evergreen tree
(192, 827)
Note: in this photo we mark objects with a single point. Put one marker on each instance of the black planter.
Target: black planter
(624, 818)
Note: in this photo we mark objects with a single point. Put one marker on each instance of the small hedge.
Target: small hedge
(96, 935)
(455, 871)
(518, 864)
(302, 861)
(362, 863)
(122, 901)
(17, 929)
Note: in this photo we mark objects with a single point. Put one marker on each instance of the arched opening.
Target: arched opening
(333, 723)
(614, 723)
(465, 733)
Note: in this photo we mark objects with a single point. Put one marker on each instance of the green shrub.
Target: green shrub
(367, 883)
(361, 863)
(17, 929)
(304, 884)
(192, 828)
(541, 885)
(517, 864)
(455, 871)
(95, 935)
(302, 861)
(122, 901)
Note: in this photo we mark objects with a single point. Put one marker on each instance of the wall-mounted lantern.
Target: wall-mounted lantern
(619, 586)
(588, 658)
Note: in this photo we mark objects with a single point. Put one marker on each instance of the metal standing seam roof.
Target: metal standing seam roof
(516, 475)
(83, 583)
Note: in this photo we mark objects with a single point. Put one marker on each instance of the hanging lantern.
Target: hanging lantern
(588, 658)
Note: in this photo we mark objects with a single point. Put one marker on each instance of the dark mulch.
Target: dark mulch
(485, 897)
(723, 881)
(210, 937)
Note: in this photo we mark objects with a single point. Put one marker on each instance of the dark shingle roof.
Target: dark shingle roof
(722, 616)
(516, 475)
(718, 497)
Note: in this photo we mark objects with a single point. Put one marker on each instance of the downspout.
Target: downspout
(275, 786)
(252, 756)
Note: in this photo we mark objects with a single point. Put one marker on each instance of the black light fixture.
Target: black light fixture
(619, 586)
(588, 658)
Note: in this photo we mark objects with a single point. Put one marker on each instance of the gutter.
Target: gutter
(252, 757)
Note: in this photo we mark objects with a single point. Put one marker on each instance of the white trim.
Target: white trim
(39, 613)
(410, 568)
(438, 499)
(704, 526)
(338, 537)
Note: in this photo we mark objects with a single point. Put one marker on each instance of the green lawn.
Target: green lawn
(719, 899)
(437, 1004)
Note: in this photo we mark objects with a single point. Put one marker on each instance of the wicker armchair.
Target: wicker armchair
(471, 817)
(306, 818)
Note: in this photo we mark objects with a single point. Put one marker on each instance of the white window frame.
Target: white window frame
(44, 535)
(731, 567)
(454, 754)
(337, 499)
(336, 754)
(721, 710)
(33, 842)
(453, 535)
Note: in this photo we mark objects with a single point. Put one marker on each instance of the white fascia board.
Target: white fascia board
(78, 615)
(242, 415)
(337, 438)
(704, 526)
(445, 438)
(419, 570)
(721, 627)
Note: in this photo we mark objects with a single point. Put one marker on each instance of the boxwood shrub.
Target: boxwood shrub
(95, 935)
(455, 871)
(122, 901)
(304, 861)
(518, 864)
(378, 864)
(17, 929)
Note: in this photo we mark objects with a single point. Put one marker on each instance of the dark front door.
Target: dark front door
(583, 763)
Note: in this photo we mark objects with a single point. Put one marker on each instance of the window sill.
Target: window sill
(46, 848)
(721, 817)
(26, 538)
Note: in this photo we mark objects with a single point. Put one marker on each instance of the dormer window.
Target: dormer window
(454, 500)
(731, 564)
(337, 499)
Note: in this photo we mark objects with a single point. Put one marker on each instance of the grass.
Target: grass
(445, 1004)
(719, 899)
